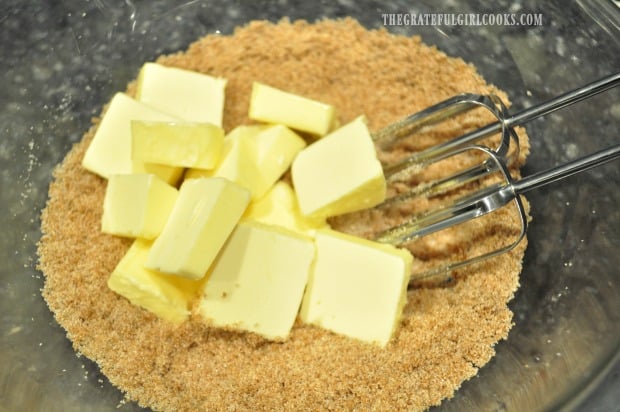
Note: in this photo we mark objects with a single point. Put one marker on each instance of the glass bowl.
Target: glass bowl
(61, 61)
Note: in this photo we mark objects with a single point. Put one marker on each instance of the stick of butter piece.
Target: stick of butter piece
(276, 148)
(255, 157)
(257, 282)
(110, 150)
(188, 95)
(181, 144)
(279, 207)
(339, 173)
(168, 297)
(358, 288)
(204, 215)
(137, 205)
(271, 105)
(238, 160)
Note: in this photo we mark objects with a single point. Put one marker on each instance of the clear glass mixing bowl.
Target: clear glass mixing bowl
(61, 61)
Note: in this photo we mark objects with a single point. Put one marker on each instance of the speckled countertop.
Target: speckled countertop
(60, 61)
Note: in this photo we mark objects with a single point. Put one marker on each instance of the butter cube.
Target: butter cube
(255, 157)
(279, 207)
(110, 150)
(204, 215)
(358, 288)
(181, 144)
(257, 282)
(137, 205)
(168, 297)
(276, 148)
(271, 105)
(238, 159)
(339, 173)
(188, 95)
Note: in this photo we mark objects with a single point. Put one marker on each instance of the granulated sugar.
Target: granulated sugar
(446, 334)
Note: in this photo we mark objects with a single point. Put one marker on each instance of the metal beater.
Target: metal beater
(497, 160)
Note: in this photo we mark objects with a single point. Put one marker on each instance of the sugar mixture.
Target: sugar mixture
(447, 333)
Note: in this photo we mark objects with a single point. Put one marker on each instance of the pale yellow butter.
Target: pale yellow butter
(276, 148)
(181, 144)
(339, 173)
(279, 207)
(255, 157)
(271, 105)
(168, 297)
(188, 95)
(257, 282)
(110, 150)
(137, 205)
(358, 288)
(204, 215)
(238, 159)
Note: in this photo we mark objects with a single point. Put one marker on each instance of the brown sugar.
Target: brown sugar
(446, 333)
